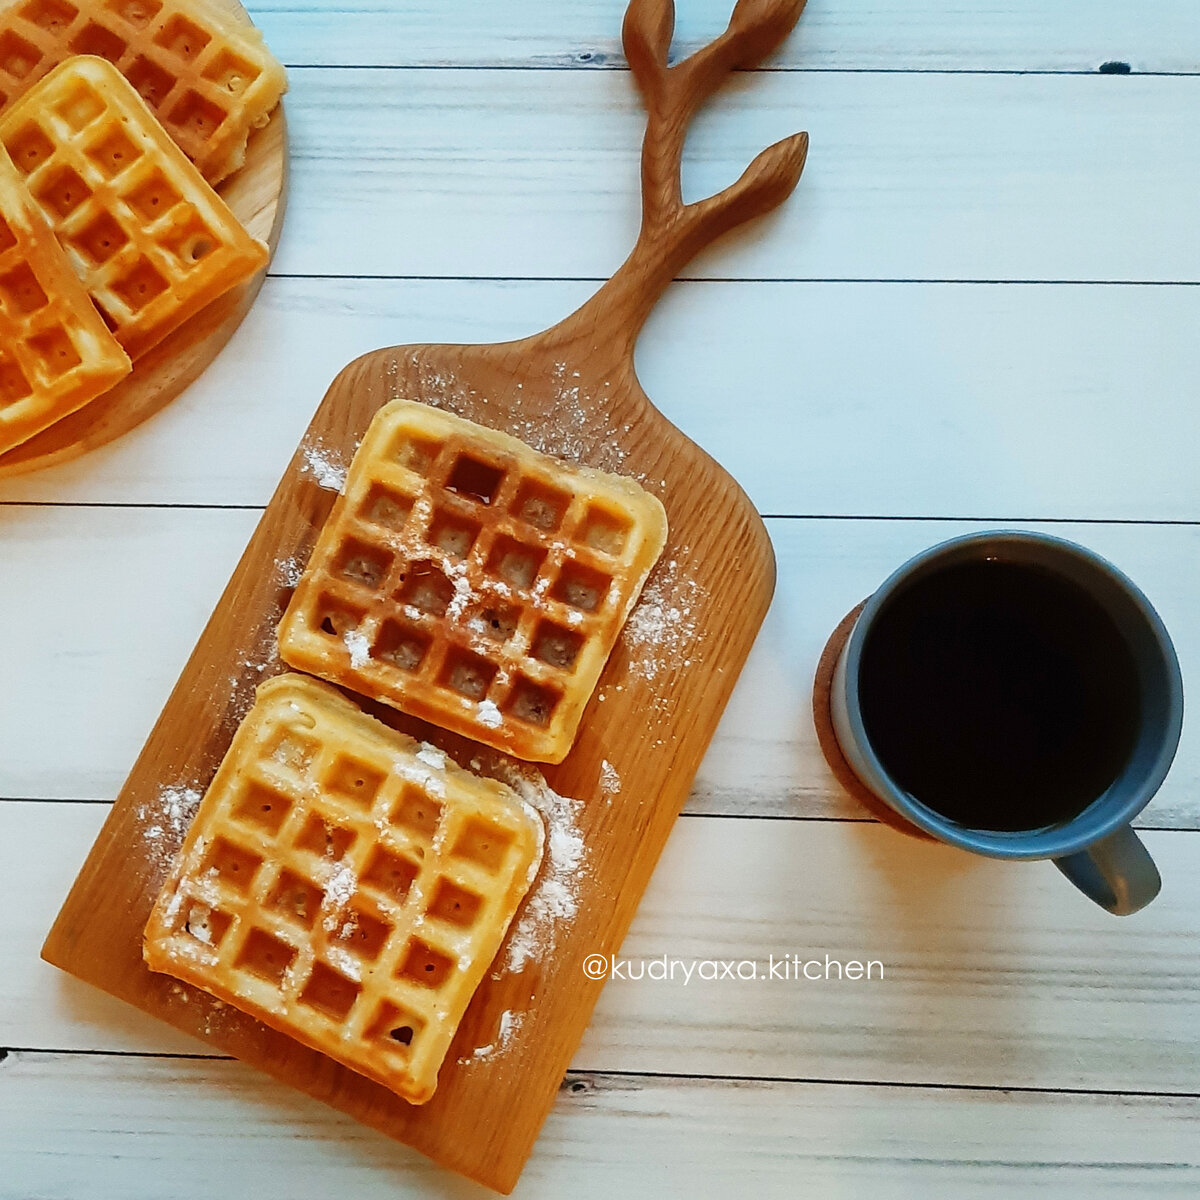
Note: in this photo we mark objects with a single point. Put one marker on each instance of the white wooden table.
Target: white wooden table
(979, 308)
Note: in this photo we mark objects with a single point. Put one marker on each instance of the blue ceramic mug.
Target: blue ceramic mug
(1093, 845)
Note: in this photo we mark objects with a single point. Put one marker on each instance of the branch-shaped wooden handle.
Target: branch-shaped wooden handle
(673, 232)
(672, 94)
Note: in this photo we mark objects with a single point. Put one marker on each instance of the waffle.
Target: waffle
(472, 581)
(151, 240)
(345, 885)
(208, 77)
(55, 353)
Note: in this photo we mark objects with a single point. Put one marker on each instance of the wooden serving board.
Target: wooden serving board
(257, 195)
(571, 391)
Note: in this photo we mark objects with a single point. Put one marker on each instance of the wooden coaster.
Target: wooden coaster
(827, 739)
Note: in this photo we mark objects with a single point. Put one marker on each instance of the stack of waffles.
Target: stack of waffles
(126, 191)
(207, 76)
(340, 882)
(152, 242)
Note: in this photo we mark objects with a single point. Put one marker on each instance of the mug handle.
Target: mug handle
(1116, 872)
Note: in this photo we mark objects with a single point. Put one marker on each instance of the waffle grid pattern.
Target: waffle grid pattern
(472, 581)
(341, 888)
(208, 78)
(150, 239)
(55, 352)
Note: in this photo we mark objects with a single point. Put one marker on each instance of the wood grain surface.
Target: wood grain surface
(572, 391)
(257, 196)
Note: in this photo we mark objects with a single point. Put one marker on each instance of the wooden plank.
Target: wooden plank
(911, 176)
(889, 35)
(87, 567)
(1017, 402)
(108, 1127)
(994, 974)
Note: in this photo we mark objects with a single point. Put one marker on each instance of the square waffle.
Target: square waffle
(345, 885)
(55, 352)
(471, 581)
(208, 77)
(151, 240)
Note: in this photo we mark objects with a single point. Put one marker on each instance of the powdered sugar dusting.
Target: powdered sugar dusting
(488, 715)
(463, 595)
(510, 1022)
(288, 571)
(209, 1014)
(555, 898)
(165, 821)
(431, 756)
(558, 413)
(661, 630)
(326, 466)
(359, 646)
(338, 891)
(199, 923)
(610, 780)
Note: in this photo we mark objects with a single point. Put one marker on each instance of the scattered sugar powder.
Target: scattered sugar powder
(432, 772)
(488, 714)
(510, 1022)
(359, 646)
(662, 627)
(325, 466)
(338, 891)
(431, 756)
(199, 923)
(555, 899)
(556, 413)
(165, 821)
(288, 571)
(610, 780)
(215, 1013)
(463, 595)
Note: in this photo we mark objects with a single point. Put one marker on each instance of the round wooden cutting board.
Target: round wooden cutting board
(257, 195)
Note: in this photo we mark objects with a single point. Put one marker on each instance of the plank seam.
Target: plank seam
(1023, 1089)
(598, 62)
(197, 506)
(714, 816)
(579, 1075)
(939, 281)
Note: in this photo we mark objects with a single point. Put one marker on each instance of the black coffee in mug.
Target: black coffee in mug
(999, 694)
